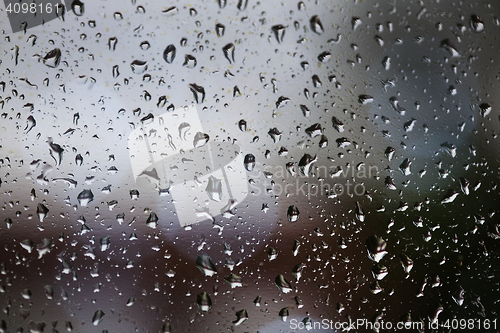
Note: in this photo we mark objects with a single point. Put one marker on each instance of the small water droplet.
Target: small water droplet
(229, 52)
(205, 265)
(293, 213)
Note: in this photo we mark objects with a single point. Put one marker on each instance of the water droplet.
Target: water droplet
(376, 248)
(42, 212)
(284, 314)
(30, 123)
(476, 24)
(379, 271)
(105, 242)
(198, 92)
(314, 130)
(200, 139)
(183, 130)
(448, 46)
(323, 142)
(189, 61)
(449, 197)
(279, 32)
(112, 41)
(406, 262)
(324, 57)
(275, 134)
(204, 302)
(205, 265)
(85, 197)
(297, 271)
(97, 318)
(242, 124)
(139, 66)
(52, 58)
(214, 188)
(272, 253)
(360, 215)
(152, 220)
(484, 109)
(355, 22)
(249, 162)
(283, 285)
(169, 53)
(389, 153)
(28, 245)
(337, 124)
(365, 99)
(242, 315)
(78, 7)
(166, 328)
(233, 280)
(118, 16)
(316, 25)
(405, 167)
(229, 52)
(305, 164)
(282, 100)
(242, 4)
(293, 213)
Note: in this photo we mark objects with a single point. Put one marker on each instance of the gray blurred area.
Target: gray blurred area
(377, 121)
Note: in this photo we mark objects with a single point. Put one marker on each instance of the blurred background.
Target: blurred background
(365, 135)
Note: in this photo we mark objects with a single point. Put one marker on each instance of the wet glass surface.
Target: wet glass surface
(250, 166)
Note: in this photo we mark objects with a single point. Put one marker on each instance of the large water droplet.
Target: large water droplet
(229, 52)
(214, 189)
(249, 162)
(152, 220)
(97, 318)
(241, 316)
(85, 197)
(283, 285)
(78, 7)
(376, 248)
(52, 58)
(169, 53)
(198, 92)
(139, 66)
(316, 25)
(279, 32)
(200, 139)
(476, 24)
(305, 164)
(220, 29)
(41, 211)
(205, 265)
